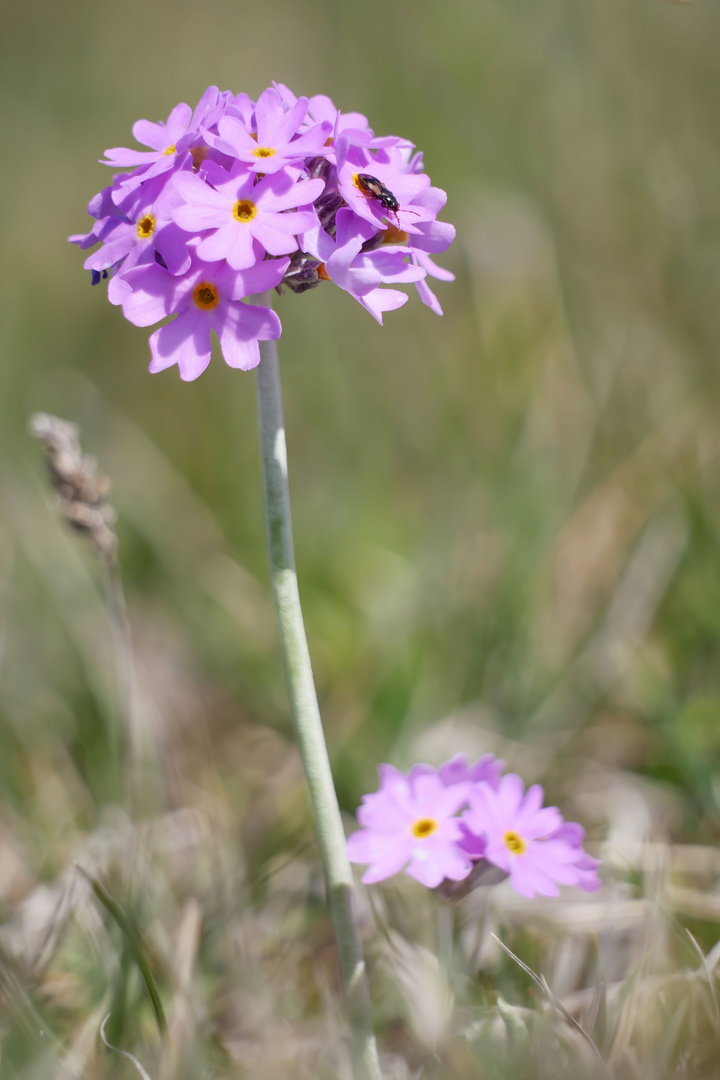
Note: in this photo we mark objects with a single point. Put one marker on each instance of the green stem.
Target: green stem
(306, 714)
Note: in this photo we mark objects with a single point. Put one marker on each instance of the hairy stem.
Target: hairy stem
(306, 714)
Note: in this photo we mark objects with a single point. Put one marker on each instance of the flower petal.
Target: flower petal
(185, 342)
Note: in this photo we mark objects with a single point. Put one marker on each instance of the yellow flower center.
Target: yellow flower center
(358, 185)
(146, 226)
(393, 235)
(264, 151)
(514, 843)
(169, 150)
(426, 826)
(206, 296)
(244, 211)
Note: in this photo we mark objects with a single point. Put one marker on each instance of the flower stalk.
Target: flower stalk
(306, 714)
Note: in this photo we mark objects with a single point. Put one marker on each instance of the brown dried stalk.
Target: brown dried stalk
(80, 488)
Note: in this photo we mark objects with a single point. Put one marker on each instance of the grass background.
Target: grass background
(506, 523)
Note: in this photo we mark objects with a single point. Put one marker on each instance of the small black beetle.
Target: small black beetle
(373, 188)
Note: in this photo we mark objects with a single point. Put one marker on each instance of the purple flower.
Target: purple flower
(146, 227)
(162, 138)
(107, 213)
(512, 829)
(206, 298)
(358, 272)
(232, 182)
(457, 770)
(276, 144)
(431, 236)
(405, 187)
(168, 141)
(242, 106)
(321, 109)
(410, 824)
(246, 218)
(427, 296)
(585, 865)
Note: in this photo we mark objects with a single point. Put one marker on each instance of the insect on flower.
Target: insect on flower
(374, 189)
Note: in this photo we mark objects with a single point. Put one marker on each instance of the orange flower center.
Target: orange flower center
(146, 226)
(244, 211)
(426, 826)
(322, 272)
(206, 296)
(392, 235)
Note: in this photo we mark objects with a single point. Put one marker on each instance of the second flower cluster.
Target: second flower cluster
(457, 822)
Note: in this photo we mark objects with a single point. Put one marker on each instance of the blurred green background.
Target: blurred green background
(506, 520)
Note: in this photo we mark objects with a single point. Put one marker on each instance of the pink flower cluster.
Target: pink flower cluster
(236, 197)
(449, 824)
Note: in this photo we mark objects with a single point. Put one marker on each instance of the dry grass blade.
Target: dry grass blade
(78, 1058)
(541, 982)
(18, 1003)
(707, 969)
(131, 1057)
(181, 1030)
(424, 986)
(713, 956)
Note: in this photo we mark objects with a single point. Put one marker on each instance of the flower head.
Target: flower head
(236, 184)
(411, 824)
(527, 840)
(466, 823)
